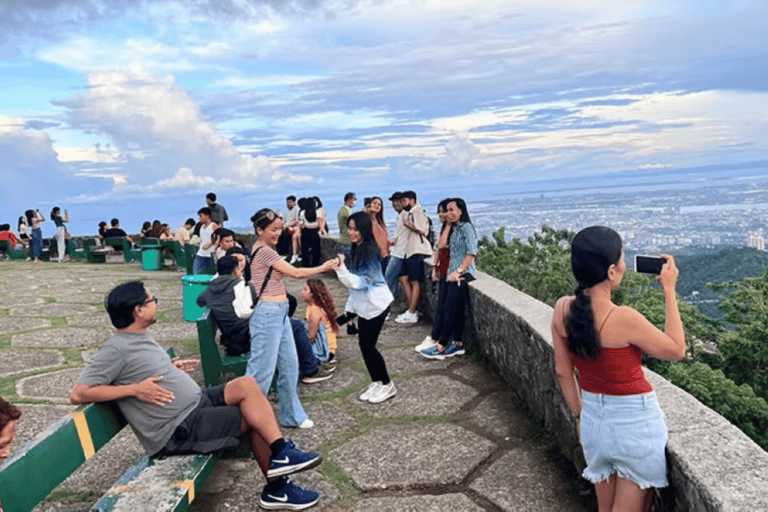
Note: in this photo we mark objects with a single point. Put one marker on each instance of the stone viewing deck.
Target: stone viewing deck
(455, 438)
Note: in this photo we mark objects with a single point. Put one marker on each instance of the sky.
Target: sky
(136, 109)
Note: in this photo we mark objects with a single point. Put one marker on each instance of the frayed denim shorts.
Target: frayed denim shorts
(625, 435)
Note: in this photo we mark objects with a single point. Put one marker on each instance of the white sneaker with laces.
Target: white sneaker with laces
(370, 390)
(428, 342)
(383, 392)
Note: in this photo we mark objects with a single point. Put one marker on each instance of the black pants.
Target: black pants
(310, 247)
(451, 316)
(437, 326)
(368, 336)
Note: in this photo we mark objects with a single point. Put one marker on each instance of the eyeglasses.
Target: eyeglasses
(153, 299)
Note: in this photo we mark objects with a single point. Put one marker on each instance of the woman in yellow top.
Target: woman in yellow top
(321, 319)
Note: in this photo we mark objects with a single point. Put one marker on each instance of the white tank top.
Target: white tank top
(205, 237)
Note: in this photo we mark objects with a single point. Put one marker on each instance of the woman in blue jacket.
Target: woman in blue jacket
(369, 298)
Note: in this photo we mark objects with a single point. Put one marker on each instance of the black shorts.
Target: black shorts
(212, 426)
(413, 267)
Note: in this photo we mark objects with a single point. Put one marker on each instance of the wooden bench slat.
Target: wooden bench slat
(169, 483)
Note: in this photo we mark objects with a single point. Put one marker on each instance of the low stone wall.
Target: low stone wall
(713, 466)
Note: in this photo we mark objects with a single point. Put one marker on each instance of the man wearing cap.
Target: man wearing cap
(396, 246)
(417, 248)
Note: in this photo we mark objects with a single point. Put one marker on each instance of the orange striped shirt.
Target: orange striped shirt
(262, 260)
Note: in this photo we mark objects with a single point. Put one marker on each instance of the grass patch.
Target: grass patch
(4, 313)
(190, 346)
(67, 497)
(59, 321)
(49, 300)
(5, 340)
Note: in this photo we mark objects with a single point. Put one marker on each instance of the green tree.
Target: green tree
(745, 352)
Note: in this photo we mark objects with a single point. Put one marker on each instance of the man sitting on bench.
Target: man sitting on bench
(228, 297)
(170, 414)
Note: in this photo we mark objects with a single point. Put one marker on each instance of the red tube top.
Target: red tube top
(616, 371)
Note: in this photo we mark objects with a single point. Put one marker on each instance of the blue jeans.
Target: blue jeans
(37, 243)
(392, 274)
(273, 348)
(308, 362)
(201, 265)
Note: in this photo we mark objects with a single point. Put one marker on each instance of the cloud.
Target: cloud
(158, 135)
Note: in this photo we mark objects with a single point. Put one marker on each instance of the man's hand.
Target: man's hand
(149, 391)
(186, 365)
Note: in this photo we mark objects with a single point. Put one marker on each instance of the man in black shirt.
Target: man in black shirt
(116, 232)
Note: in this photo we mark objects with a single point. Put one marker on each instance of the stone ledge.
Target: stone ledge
(713, 465)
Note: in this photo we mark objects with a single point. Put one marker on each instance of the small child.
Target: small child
(321, 320)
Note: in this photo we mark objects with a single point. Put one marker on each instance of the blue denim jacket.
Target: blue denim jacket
(369, 294)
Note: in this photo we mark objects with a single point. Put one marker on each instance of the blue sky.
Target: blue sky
(138, 108)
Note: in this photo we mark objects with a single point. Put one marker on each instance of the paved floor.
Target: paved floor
(454, 438)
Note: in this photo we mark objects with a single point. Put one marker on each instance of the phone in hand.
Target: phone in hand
(649, 264)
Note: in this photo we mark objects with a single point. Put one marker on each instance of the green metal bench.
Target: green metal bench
(214, 364)
(16, 253)
(53, 455)
(74, 252)
(177, 251)
(129, 253)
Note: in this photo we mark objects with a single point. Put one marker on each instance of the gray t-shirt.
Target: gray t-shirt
(128, 358)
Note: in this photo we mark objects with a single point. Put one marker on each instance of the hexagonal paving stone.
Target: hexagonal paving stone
(49, 385)
(35, 419)
(54, 309)
(329, 421)
(503, 414)
(404, 334)
(18, 360)
(419, 503)
(173, 331)
(412, 455)
(98, 320)
(533, 480)
(16, 300)
(481, 378)
(425, 396)
(8, 325)
(342, 378)
(62, 337)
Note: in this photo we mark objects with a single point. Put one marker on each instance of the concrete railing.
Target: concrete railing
(713, 466)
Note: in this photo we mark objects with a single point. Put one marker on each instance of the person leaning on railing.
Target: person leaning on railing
(621, 427)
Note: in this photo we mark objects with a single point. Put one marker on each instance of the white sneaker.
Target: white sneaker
(307, 423)
(294, 259)
(407, 318)
(428, 342)
(370, 390)
(383, 392)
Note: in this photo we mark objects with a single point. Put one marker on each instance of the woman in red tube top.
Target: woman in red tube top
(621, 426)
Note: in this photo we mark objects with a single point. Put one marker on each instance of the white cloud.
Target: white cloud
(158, 133)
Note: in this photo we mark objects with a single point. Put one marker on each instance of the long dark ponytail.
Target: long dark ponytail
(593, 251)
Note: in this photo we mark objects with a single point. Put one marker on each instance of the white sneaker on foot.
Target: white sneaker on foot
(383, 392)
(407, 318)
(428, 342)
(307, 423)
(370, 390)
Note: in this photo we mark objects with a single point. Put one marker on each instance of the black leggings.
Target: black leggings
(310, 247)
(368, 336)
(451, 315)
(437, 324)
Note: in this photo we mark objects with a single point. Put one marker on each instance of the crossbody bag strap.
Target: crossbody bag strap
(256, 296)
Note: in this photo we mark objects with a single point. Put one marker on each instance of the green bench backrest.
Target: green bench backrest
(53, 455)
(209, 352)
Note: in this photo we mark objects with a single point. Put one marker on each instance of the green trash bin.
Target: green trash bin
(152, 258)
(192, 286)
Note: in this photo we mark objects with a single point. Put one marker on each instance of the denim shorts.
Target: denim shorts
(625, 435)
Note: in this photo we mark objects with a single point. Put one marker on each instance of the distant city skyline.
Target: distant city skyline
(137, 109)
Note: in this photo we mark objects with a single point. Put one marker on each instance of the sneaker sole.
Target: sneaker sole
(282, 505)
(313, 380)
(273, 474)
(457, 353)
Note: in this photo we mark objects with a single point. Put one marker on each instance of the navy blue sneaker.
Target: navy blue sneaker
(291, 460)
(454, 350)
(289, 497)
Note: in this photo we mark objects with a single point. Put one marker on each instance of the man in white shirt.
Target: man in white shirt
(417, 248)
(396, 246)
